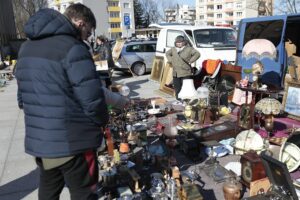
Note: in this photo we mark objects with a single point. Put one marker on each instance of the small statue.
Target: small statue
(257, 70)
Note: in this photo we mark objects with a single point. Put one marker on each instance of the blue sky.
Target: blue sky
(188, 2)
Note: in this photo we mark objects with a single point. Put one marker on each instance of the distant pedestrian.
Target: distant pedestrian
(181, 57)
(103, 53)
(63, 101)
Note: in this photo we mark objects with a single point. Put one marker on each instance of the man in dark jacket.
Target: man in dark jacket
(63, 102)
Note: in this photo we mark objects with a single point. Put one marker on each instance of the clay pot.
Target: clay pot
(232, 189)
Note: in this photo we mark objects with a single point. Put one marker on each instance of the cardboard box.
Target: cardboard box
(294, 67)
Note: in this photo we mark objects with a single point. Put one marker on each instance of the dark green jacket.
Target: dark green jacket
(181, 62)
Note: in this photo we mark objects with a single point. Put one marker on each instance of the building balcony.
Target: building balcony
(114, 19)
(228, 9)
(229, 18)
(114, 9)
(115, 30)
(210, 3)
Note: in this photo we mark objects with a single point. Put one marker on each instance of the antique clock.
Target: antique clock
(252, 168)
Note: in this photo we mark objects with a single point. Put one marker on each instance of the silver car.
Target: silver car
(138, 56)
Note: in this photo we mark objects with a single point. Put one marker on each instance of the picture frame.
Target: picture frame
(157, 68)
(116, 52)
(244, 117)
(291, 100)
(101, 65)
(166, 79)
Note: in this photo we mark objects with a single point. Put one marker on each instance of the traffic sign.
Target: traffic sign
(127, 20)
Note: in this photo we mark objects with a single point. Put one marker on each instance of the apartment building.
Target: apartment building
(183, 14)
(230, 12)
(115, 18)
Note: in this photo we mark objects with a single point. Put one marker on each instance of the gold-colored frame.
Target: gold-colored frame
(244, 117)
(291, 100)
(157, 68)
(166, 78)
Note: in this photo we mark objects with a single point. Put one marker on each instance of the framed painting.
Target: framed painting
(167, 79)
(157, 68)
(117, 49)
(244, 117)
(291, 100)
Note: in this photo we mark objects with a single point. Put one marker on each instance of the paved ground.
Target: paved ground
(18, 172)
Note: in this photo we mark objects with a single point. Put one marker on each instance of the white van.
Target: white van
(211, 42)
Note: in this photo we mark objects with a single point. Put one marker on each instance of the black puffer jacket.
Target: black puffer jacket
(58, 87)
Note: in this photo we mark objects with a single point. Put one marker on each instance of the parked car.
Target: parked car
(137, 56)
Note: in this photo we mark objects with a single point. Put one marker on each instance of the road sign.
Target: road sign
(127, 20)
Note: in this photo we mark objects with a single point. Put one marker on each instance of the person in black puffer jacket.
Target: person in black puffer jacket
(63, 102)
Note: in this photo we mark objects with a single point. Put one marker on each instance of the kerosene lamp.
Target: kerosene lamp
(203, 95)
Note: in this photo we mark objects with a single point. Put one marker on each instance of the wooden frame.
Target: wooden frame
(117, 49)
(166, 78)
(291, 100)
(157, 68)
(244, 117)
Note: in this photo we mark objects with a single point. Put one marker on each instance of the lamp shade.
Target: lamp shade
(268, 106)
(259, 48)
(188, 90)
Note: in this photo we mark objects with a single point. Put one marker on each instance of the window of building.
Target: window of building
(219, 7)
(113, 3)
(228, 5)
(126, 5)
(114, 14)
(239, 14)
(239, 5)
(201, 8)
(201, 17)
(219, 16)
(229, 14)
(115, 25)
(210, 7)
(210, 15)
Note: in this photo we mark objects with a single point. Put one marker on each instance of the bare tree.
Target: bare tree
(288, 6)
(151, 12)
(267, 7)
(23, 9)
(263, 7)
(154, 10)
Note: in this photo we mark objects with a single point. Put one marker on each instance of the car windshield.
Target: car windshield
(215, 38)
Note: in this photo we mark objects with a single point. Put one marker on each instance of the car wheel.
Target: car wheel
(138, 68)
